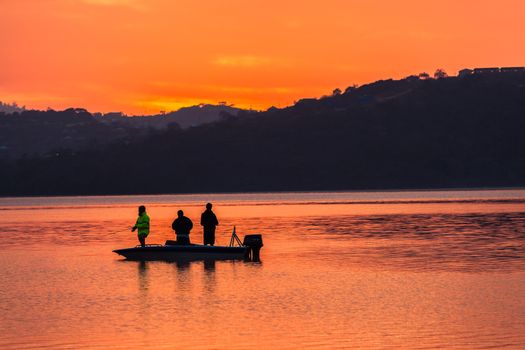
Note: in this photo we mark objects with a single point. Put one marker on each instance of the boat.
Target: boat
(171, 251)
(182, 252)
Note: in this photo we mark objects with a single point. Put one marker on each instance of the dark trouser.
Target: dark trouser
(209, 235)
(184, 240)
(142, 240)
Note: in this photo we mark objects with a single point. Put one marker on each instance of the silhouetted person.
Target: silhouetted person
(182, 227)
(142, 225)
(209, 222)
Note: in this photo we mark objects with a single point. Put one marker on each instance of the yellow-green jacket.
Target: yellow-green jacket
(143, 224)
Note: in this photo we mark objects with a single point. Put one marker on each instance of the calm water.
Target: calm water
(411, 270)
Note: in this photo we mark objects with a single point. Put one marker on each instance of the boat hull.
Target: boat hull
(182, 252)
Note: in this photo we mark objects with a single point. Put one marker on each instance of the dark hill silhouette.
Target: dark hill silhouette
(185, 117)
(409, 133)
(42, 133)
(10, 107)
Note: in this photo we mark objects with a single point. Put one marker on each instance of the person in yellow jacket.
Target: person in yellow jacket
(142, 225)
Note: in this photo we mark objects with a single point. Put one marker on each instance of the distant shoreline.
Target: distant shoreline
(447, 189)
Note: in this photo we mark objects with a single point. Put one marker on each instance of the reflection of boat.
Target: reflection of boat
(248, 249)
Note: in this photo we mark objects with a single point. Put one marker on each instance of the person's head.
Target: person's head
(142, 209)
(208, 206)
(180, 213)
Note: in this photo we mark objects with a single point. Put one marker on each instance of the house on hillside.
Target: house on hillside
(490, 70)
(512, 69)
(465, 72)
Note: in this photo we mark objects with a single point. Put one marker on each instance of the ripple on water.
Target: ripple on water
(396, 277)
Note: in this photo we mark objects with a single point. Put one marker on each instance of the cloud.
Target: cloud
(241, 61)
(169, 104)
(165, 86)
(251, 90)
(135, 4)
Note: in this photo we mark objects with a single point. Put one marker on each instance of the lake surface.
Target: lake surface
(372, 270)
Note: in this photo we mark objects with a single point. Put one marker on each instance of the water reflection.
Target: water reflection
(143, 277)
(209, 278)
(209, 266)
(182, 265)
(407, 276)
(454, 242)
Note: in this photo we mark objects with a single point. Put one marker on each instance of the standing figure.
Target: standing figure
(142, 225)
(182, 227)
(209, 222)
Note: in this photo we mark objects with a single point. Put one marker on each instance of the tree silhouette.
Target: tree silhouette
(351, 88)
(440, 74)
(336, 92)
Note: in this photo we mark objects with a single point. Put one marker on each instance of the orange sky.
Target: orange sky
(143, 56)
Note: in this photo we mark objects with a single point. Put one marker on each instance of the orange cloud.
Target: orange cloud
(136, 4)
(241, 61)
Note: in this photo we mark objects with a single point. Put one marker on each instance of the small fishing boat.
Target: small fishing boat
(171, 251)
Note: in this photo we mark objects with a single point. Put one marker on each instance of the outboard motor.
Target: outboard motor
(254, 244)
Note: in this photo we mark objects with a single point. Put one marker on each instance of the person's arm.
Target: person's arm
(215, 219)
(136, 223)
(202, 219)
(190, 225)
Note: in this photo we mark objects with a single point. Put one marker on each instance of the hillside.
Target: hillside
(184, 118)
(409, 133)
(26, 133)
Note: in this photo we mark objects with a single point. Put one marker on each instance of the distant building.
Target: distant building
(491, 70)
(465, 72)
(512, 69)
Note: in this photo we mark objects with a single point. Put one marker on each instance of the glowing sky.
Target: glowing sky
(142, 56)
